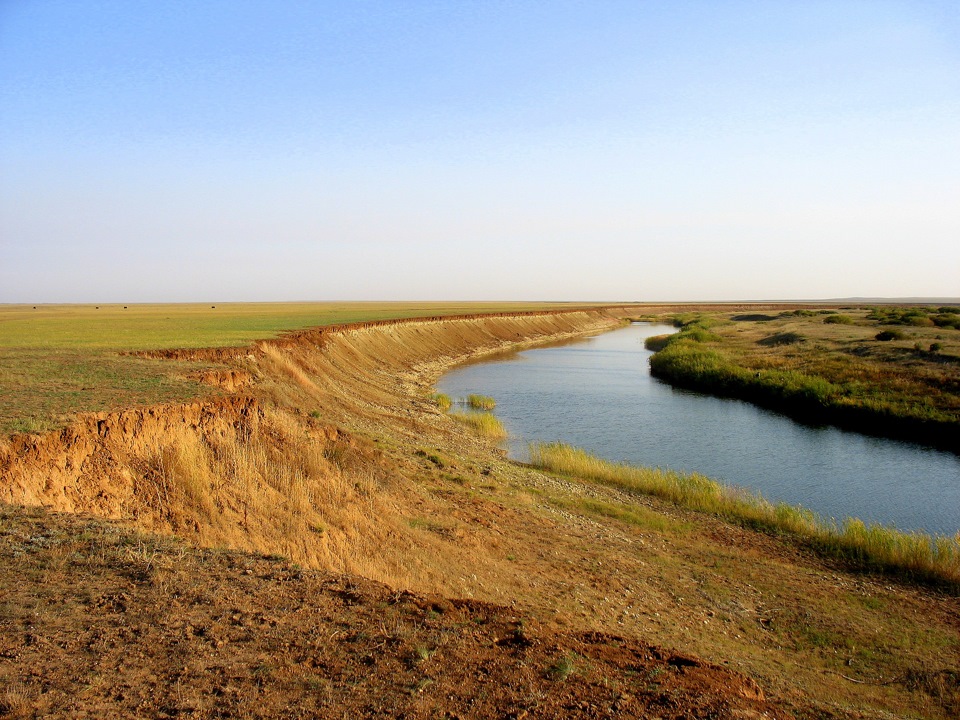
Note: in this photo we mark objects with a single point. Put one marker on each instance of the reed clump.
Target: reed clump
(481, 402)
(656, 343)
(482, 423)
(909, 554)
(442, 401)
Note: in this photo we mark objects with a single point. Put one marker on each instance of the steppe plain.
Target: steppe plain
(235, 515)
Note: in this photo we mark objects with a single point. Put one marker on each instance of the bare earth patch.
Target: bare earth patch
(100, 622)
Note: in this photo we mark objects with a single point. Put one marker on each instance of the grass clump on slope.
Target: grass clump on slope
(442, 401)
(912, 555)
(482, 423)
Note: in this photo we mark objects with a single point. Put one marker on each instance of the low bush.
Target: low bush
(947, 320)
(784, 338)
(887, 335)
(838, 320)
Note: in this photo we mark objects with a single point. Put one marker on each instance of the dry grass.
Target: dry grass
(913, 555)
(482, 423)
(318, 503)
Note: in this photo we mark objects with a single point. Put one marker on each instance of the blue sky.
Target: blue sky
(255, 150)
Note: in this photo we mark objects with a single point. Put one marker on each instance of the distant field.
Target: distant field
(151, 327)
(58, 360)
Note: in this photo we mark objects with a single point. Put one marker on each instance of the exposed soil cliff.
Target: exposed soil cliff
(86, 467)
(266, 468)
(327, 450)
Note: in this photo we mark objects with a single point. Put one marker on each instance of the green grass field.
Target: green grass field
(58, 360)
(152, 327)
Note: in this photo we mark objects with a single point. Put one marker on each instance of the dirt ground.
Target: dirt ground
(100, 622)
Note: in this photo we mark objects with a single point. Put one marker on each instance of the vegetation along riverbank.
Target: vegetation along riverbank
(891, 371)
(309, 529)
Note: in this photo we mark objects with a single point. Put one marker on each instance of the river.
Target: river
(597, 393)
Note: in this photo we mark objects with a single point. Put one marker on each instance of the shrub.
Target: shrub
(950, 320)
(784, 338)
(936, 347)
(886, 335)
(699, 334)
(838, 320)
(903, 316)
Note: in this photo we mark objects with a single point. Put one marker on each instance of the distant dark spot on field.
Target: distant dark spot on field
(784, 338)
(754, 318)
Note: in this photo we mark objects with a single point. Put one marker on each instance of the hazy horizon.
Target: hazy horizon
(612, 151)
(454, 301)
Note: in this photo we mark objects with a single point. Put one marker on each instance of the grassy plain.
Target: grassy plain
(58, 360)
(197, 325)
(830, 366)
(353, 468)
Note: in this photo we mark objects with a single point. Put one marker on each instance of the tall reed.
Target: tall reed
(481, 402)
(908, 554)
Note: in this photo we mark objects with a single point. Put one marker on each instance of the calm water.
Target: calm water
(598, 394)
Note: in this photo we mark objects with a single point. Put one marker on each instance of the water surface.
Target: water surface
(598, 394)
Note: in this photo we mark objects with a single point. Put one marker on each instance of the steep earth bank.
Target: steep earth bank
(329, 451)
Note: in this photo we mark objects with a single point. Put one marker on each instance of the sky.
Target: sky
(270, 150)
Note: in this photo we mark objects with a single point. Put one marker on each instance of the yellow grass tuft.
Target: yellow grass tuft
(483, 423)
(442, 401)
(481, 402)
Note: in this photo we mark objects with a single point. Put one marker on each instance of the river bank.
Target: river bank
(854, 369)
(331, 453)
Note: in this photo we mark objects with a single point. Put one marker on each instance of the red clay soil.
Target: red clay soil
(100, 622)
